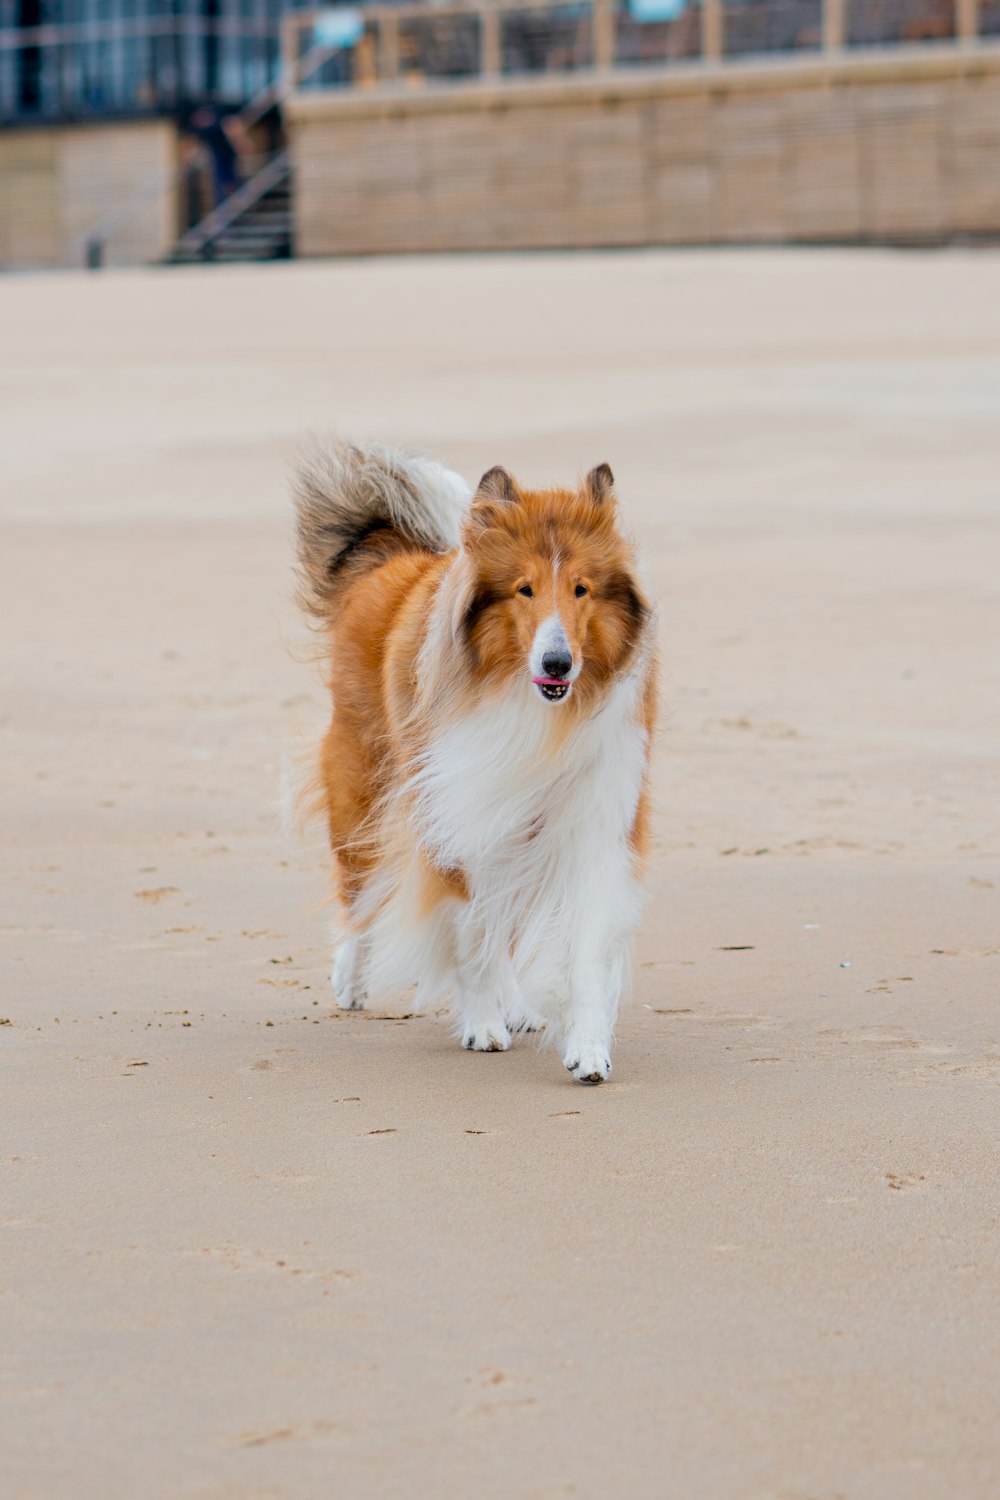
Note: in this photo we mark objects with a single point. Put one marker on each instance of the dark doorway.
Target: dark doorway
(212, 9)
(29, 59)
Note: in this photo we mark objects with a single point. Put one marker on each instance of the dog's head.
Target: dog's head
(551, 594)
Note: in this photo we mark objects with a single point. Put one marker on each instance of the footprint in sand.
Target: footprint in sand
(900, 1181)
(287, 1434)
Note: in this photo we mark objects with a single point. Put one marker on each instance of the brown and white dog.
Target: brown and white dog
(484, 779)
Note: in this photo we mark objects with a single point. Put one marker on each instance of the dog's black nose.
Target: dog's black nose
(557, 663)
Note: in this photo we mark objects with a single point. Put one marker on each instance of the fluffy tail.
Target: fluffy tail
(358, 506)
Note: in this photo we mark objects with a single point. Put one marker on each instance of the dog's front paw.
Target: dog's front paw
(491, 1036)
(587, 1063)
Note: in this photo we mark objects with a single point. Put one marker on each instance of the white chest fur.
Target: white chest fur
(495, 781)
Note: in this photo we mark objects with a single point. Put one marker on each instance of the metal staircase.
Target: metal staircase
(254, 222)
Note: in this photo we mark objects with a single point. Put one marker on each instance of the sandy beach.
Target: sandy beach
(254, 1249)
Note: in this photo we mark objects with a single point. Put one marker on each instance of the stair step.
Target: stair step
(278, 216)
(256, 232)
(270, 252)
(250, 237)
(280, 253)
(253, 252)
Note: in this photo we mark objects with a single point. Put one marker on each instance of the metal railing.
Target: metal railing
(81, 67)
(467, 40)
(148, 63)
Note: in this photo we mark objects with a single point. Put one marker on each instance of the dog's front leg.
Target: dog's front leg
(597, 966)
(607, 904)
(595, 989)
(485, 982)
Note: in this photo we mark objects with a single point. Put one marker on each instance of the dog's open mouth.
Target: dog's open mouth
(552, 688)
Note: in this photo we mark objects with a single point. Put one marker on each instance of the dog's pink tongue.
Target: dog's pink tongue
(550, 681)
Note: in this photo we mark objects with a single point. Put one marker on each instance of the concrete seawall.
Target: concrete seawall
(900, 145)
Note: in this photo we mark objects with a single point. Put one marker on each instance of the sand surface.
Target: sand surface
(251, 1248)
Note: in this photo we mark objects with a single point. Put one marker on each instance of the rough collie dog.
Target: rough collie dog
(492, 665)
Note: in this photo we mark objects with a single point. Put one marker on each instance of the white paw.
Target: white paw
(588, 1062)
(491, 1036)
(348, 985)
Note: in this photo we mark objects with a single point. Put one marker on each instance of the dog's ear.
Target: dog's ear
(497, 491)
(599, 484)
(498, 487)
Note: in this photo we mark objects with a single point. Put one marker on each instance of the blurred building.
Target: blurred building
(88, 59)
(140, 130)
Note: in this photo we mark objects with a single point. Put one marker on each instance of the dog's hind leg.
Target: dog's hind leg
(485, 987)
(522, 1014)
(350, 984)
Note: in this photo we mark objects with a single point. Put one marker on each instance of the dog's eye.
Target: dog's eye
(580, 590)
(526, 590)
